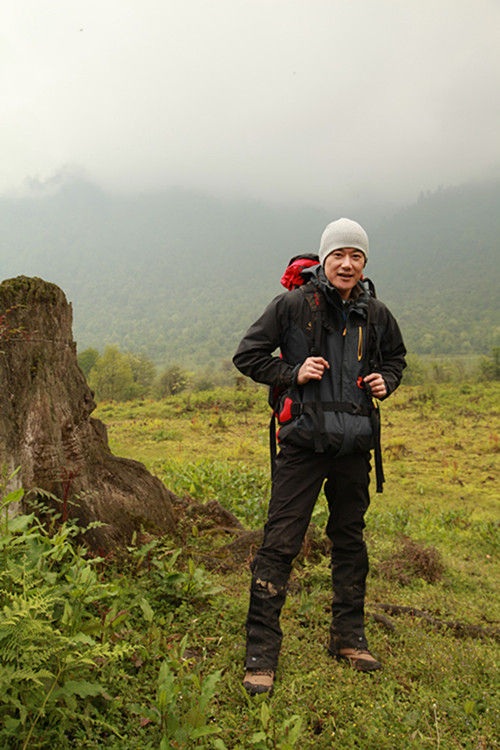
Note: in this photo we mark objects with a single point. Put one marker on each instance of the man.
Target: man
(339, 348)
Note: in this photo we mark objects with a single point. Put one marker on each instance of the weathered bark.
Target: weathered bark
(46, 428)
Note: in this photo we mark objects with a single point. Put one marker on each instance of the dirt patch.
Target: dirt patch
(412, 560)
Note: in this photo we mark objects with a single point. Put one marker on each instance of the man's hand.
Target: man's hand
(377, 384)
(312, 368)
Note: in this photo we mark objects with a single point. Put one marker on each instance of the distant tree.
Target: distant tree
(118, 376)
(87, 359)
(415, 373)
(173, 380)
(490, 366)
(203, 383)
(112, 378)
(143, 372)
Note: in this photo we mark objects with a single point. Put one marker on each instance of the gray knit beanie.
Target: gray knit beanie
(342, 233)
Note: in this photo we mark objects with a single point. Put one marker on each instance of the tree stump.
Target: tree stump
(46, 428)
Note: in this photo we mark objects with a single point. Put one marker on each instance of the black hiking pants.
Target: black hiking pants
(298, 477)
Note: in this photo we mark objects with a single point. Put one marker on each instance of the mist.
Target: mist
(304, 101)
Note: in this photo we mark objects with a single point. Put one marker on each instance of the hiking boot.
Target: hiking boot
(359, 658)
(258, 681)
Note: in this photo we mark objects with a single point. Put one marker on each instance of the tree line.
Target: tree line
(122, 376)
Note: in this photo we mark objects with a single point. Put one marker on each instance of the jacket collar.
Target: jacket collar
(357, 302)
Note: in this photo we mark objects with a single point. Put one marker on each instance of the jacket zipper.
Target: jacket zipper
(360, 351)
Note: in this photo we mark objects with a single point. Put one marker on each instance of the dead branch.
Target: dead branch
(458, 628)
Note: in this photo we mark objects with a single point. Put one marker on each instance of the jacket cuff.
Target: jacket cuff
(294, 375)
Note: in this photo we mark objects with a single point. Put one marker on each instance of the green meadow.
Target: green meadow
(146, 651)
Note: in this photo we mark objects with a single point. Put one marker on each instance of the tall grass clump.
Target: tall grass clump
(242, 489)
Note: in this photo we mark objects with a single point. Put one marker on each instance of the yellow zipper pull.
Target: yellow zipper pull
(360, 343)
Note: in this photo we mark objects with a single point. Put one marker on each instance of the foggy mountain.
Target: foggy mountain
(179, 275)
(438, 269)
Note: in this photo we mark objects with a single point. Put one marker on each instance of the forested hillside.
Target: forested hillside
(179, 276)
(438, 269)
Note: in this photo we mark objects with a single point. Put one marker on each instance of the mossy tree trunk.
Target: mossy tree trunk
(47, 430)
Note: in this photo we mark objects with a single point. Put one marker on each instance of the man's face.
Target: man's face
(344, 268)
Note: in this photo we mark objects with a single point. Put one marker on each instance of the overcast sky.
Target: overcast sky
(288, 100)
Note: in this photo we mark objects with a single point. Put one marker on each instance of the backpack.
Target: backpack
(292, 278)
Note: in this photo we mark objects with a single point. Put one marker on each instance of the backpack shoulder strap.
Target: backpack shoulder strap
(316, 303)
(374, 360)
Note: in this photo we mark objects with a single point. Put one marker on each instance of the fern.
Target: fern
(51, 652)
(67, 643)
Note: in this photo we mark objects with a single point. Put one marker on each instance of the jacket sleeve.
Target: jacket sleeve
(392, 353)
(256, 355)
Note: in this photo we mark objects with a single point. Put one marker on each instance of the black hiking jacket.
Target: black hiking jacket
(357, 337)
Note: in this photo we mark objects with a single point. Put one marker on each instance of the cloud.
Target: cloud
(302, 100)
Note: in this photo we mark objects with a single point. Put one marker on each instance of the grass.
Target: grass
(433, 542)
(437, 690)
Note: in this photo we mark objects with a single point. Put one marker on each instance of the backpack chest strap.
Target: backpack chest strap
(348, 407)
